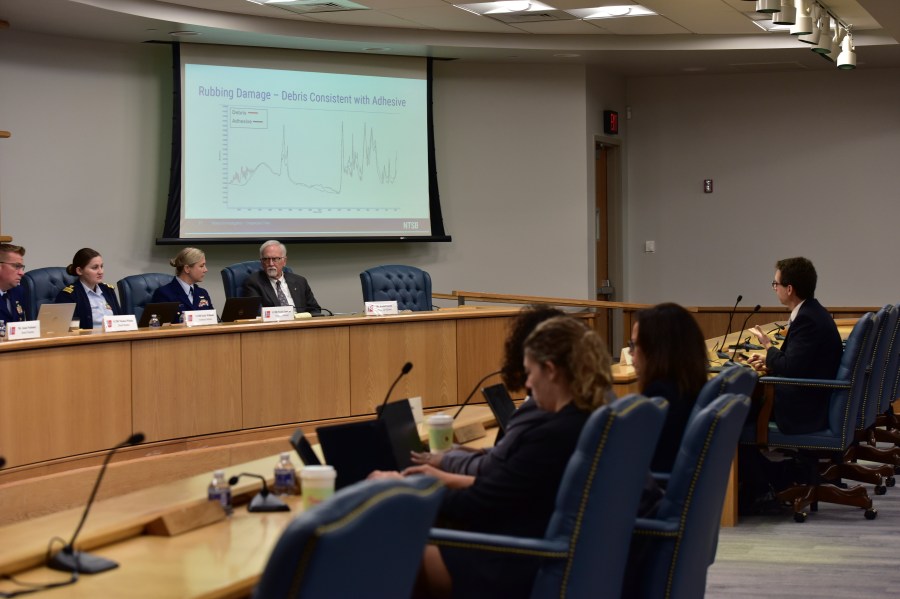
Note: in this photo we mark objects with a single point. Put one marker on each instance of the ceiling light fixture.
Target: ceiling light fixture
(768, 6)
(815, 12)
(787, 15)
(611, 12)
(804, 21)
(847, 58)
(823, 46)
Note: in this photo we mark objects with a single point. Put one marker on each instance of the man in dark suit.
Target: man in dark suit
(276, 287)
(12, 297)
(811, 349)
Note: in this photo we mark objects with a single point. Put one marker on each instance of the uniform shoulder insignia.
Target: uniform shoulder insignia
(110, 286)
(69, 289)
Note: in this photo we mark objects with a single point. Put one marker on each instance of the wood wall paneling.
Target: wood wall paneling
(295, 375)
(186, 386)
(61, 402)
(379, 351)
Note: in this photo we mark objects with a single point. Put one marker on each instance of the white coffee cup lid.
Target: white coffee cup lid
(440, 420)
(319, 472)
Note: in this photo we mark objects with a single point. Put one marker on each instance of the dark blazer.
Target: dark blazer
(173, 292)
(515, 493)
(462, 461)
(257, 284)
(17, 299)
(811, 349)
(680, 407)
(76, 294)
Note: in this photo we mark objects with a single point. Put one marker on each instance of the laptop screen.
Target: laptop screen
(501, 404)
(241, 308)
(55, 318)
(355, 449)
(402, 431)
(165, 311)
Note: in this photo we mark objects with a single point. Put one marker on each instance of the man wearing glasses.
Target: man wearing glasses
(811, 349)
(12, 297)
(276, 287)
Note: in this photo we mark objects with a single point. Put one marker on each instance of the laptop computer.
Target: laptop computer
(402, 431)
(165, 311)
(55, 319)
(303, 448)
(355, 449)
(241, 308)
(501, 405)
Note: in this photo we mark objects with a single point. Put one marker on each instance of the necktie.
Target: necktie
(191, 294)
(282, 299)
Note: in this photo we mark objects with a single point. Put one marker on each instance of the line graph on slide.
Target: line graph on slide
(289, 162)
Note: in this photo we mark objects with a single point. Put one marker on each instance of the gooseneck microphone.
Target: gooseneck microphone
(738, 345)
(472, 392)
(68, 559)
(720, 350)
(264, 501)
(406, 368)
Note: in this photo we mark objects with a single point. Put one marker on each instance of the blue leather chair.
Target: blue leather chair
(365, 541)
(671, 552)
(233, 276)
(135, 291)
(586, 544)
(42, 285)
(409, 286)
(848, 388)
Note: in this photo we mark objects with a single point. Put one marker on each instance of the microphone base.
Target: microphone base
(81, 562)
(268, 503)
(722, 355)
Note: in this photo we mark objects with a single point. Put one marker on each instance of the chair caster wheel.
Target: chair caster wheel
(880, 489)
(871, 514)
(891, 481)
(801, 516)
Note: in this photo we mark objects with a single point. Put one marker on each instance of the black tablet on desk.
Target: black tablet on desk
(355, 449)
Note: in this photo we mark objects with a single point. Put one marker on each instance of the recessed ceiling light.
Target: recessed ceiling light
(504, 7)
(183, 32)
(375, 49)
(611, 12)
(566, 55)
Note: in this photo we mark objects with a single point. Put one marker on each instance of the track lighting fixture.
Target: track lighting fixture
(846, 60)
(787, 15)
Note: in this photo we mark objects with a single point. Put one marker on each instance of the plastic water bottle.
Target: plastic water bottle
(285, 476)
(219, 490)
(154, 321)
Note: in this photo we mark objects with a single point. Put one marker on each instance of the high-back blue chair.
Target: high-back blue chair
(586, 544)
(672, 551)
(42, 285)
(233, 276)
(738, 380)
(848, 388)
(365, 541)
(135, 291)
(409, 286)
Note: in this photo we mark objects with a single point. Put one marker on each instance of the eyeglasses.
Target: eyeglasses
(276, 259)
(15, 265)
(776, 284)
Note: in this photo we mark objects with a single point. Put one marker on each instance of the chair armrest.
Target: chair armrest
(557, 549)
(661, 477)
(827, 383)
(656, 528)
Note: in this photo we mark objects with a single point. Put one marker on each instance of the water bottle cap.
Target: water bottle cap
(219, 473)
(285, 455)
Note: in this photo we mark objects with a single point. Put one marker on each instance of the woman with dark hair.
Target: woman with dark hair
(568, 372)
(669, 355)
(93, 298)
(469, 461)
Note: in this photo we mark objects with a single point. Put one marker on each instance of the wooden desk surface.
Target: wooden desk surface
(224, 559)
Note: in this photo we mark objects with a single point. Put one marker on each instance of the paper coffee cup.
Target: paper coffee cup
(316, 484)
(440, 432)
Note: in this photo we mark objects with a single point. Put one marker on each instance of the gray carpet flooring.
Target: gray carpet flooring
(835, 553)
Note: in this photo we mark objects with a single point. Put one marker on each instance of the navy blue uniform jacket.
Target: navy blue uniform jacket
(173, 292)
(76, 294)
(812, 349)
(17, 299)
